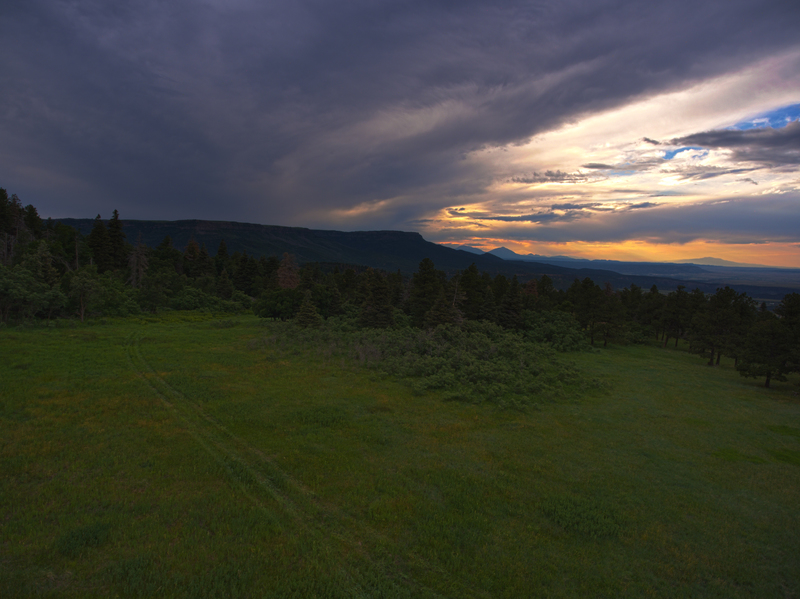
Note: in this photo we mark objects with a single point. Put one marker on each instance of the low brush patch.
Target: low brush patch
(477, 362)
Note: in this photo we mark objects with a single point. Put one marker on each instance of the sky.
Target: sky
(622, 130)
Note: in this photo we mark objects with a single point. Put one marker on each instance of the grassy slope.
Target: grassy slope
(191, 459)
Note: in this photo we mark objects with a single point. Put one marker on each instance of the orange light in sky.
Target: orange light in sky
(786, 255)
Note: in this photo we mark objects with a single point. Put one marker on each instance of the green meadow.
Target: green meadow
(198, 456)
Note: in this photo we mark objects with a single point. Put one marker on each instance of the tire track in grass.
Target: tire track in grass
(260, 480)
(256, 483)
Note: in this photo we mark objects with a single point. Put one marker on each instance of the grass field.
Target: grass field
(189, 456)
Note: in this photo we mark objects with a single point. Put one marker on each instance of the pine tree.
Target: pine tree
(100, 245)
(307, 315)
(377, 311)
(443, 311)
(768, 351)
(33, 221)
(205, 263)
(137, 261)
(510, 310)
(426, 284)
(222, 259)
(288, 274)
(473, 289)
(117, 244)
(224, 285)
(191, 257)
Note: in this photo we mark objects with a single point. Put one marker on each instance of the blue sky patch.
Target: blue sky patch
(670, 154)
(776, 119)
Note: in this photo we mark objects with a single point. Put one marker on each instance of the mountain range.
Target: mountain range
(403, 251)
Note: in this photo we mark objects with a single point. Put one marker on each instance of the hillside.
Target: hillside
(398, 250)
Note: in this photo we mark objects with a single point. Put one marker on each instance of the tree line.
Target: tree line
(50, 270)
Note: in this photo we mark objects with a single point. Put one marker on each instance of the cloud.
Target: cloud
(765, 219)
(362, 114)
(768, 146)
(556, 176)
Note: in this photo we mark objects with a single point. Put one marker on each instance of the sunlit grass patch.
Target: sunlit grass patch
(787, 456)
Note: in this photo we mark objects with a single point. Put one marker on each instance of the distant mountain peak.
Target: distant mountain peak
(709, 261)
(463, 248)
(505, 254)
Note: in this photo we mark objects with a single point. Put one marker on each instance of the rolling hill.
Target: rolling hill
(398, 250)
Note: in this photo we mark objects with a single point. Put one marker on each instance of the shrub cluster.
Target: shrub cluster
(476, 362)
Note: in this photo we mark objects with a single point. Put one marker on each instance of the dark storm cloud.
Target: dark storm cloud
(598, 166)
(710, 172)
(543, 217)
(568, 206)
(627, 167)
(556, 176)
(771, 147)
(271, 112)
(556, 213)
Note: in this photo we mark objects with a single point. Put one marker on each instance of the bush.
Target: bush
(560, 330)
(477, 362)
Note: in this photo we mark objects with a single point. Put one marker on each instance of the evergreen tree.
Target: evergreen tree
(720, 325)
(500, 286)
(288, 273)
(246, 274)
(612, 320)
(268, 272)
(191, 257)
(426, 284)
(488, 309)
(443, 311)
(377, 311)
(587, 300)
(676, 314)
(33, 221)
(768, 351)
(789, 312)
(167, 257)
(650, 311)
(205, 263)
(473, 289)
(100, 245)
(12, 226)
(396, 288)
(307, 315)
(138, 262)
(546, 293)
(117, 245)
(222, 259)
(224, 285)
(510, 309)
